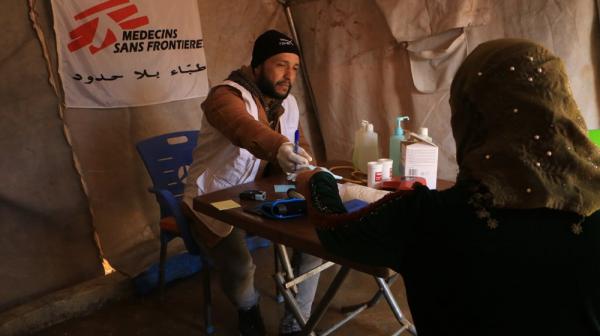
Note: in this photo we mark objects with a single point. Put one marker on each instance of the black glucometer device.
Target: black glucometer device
(281, 209)
(254, 195)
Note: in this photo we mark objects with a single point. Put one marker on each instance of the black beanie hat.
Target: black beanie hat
(271, 43)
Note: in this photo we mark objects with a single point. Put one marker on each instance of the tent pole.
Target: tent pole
(292, 26)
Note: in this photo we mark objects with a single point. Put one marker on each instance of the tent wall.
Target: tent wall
(68, 180)
(363, 63)
(49, 214)
(46, 232)
(125, 214)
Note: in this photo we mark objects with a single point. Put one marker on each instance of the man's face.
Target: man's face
(277, 74)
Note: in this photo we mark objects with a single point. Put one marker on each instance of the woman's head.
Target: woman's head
(519, 132)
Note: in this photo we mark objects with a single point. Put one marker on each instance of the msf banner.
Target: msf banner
(116, 53)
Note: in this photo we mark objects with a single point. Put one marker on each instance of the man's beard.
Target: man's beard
(268, 88)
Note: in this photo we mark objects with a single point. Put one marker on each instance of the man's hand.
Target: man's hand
(288, 160)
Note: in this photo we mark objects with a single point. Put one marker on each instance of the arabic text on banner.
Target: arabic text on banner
(116, 53)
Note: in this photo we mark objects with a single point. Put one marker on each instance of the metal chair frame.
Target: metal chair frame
(166, 158)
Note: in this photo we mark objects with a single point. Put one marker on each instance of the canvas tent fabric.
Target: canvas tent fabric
(124, 213)
(362, 63)
(75, 189)
(46, 234)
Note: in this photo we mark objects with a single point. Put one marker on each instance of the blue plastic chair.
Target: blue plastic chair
(167, 158)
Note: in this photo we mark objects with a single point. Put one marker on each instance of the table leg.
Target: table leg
(321, 308)
(389, 297)
(289, 299)
(278, 297)
(371, 302)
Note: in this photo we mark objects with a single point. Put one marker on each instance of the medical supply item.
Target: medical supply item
(386, 172)
(424, 133)
(281, 209)
(282, 188)
(420, 158)
(367, 148)
(402, 183)
(396, 140)
(375, 170)
(358, 140)
(254, 195)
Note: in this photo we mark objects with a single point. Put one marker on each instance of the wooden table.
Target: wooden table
(299, 234)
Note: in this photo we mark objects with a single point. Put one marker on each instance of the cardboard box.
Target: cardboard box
(420, 158)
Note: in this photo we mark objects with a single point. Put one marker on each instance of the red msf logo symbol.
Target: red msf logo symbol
(84, 34)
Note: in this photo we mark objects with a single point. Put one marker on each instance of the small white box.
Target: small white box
(420, 158)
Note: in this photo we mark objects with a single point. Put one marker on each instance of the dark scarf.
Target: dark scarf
(245, 78)
(519, 131)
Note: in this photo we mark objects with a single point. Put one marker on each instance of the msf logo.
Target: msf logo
(83, 35)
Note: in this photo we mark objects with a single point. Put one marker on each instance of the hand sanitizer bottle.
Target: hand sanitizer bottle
(396, 147)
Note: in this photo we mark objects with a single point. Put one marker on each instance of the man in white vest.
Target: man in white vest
(246, 133)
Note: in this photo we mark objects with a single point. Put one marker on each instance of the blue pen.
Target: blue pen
(296, 142)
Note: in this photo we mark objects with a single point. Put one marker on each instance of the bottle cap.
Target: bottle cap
(364, 124)
(424, 133)
(370, 128)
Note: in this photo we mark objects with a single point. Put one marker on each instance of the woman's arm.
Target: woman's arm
(375, 235)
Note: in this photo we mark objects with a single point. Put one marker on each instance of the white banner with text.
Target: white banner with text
(117, 53)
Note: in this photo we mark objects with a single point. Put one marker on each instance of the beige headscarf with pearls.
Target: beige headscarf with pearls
(519, 132)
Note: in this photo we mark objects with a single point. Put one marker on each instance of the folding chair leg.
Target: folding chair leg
(161, 267)
(278, 295)
(208, 327)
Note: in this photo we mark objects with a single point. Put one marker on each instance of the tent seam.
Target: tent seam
(33, 16)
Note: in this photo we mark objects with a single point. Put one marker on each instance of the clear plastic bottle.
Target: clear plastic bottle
(366, 146)
(396, 140)
(358, 141)
(369, 149)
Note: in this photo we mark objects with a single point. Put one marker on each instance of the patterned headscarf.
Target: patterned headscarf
(519, 132)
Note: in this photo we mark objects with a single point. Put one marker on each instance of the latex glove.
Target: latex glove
(288, 160)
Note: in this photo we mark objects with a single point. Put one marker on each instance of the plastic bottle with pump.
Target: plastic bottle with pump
(396, 140)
